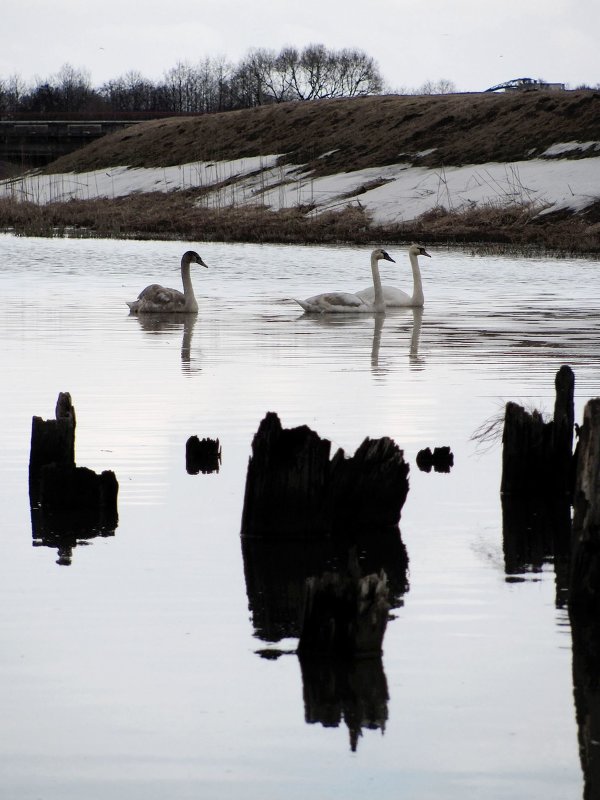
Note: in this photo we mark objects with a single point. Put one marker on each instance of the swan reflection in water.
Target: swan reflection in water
(165, 323)
(401, 318)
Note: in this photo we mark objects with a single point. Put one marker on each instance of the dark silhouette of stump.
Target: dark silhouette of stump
(440, 460)
(294, 489)
(537, 456)
(202, 455)
(585, 566)
(67, 502)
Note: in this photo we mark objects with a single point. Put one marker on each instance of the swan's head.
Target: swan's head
(418, 250)
(192, 257)
(380, 254)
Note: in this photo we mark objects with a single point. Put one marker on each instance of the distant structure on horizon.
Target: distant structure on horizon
(526, 85)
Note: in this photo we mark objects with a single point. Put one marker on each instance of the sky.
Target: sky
(472, 43)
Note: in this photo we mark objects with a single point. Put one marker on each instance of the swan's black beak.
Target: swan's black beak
(423, 252)
(202, 264)
(387, 257)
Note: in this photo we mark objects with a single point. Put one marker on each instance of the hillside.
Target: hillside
(518, 169)
(358, 133)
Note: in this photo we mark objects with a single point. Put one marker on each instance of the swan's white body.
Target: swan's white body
(396, 298)
(159, 299)
(345, 302)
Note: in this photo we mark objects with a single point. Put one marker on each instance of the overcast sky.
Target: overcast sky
(473, 43)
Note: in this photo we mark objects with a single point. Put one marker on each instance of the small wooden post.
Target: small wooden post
(202, 455)
(537, 456)
(53, 440)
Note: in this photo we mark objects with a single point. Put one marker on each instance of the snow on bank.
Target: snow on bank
(391, 194)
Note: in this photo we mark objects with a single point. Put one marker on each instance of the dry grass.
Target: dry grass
(176, 216)
(332, 136)
(358, 133)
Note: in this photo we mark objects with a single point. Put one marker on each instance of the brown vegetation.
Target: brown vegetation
(358, 133)
(331, 136)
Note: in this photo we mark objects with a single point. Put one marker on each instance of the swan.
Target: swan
(156, 298)
(344, 302)
(396, 297)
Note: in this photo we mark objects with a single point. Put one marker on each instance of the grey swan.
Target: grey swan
(159, 299)
(396, 298)
(345, 302)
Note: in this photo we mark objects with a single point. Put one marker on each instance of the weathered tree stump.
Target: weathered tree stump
(202, 455)
(53, 440)
(67, 501)
(537, 456)
(294, 489)
(440, 460)
(344, 616)
(585, 566)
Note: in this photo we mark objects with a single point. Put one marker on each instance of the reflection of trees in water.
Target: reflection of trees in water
(585, 629)
(163, 323)
(536, 532)
(276, 572)
(354, 689)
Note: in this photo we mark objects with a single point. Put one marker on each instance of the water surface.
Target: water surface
(133, 672)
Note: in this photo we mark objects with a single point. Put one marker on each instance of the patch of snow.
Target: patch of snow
(561, 148)
(400, 192)
(123, 180)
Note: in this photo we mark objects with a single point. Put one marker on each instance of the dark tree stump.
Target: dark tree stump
(202, 455)
(293, 489)
(53, 440)
(440, 460)
(67, 502)
(585, 567)
(286, 482)
(537, 456)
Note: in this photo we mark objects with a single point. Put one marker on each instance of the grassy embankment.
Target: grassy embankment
(432, 131)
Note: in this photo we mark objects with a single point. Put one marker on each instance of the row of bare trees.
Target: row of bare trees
(214, 84)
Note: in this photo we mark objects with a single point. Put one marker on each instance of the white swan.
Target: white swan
(345, 302)
(158, 299)
(396, 297)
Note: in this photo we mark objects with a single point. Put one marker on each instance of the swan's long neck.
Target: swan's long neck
(378, 301)
(417, 297)
(188, 289)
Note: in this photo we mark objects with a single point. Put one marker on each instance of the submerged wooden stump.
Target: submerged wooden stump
(294, 489)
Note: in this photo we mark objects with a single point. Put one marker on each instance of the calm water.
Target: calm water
(133, 673)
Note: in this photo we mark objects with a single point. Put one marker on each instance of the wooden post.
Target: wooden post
(537, 456)
(53, 440)
(202, 455)
(66, 500)
(585, 567)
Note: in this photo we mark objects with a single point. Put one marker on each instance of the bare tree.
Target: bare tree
(441, 86)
